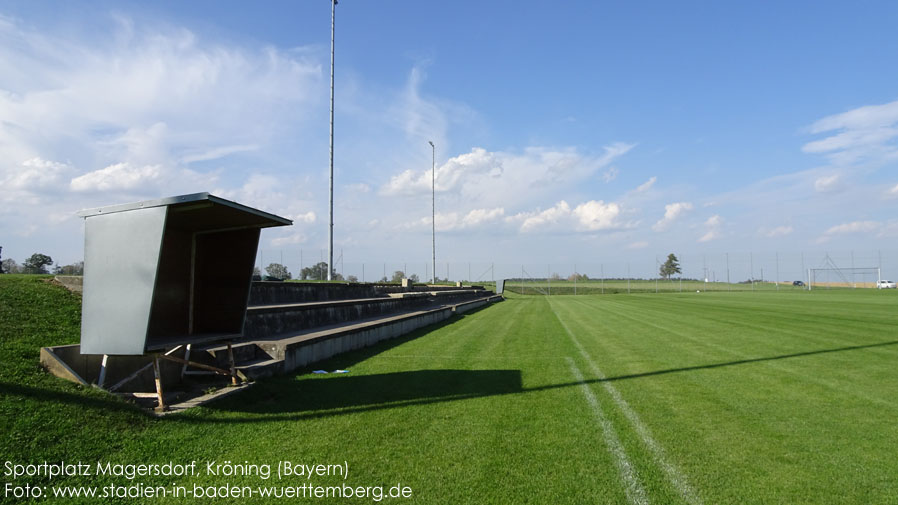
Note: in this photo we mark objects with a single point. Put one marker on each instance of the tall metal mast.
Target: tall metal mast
(330, 228)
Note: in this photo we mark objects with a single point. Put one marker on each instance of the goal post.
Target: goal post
(834, 277)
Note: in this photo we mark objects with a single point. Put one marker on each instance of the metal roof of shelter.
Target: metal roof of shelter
(247, 215)
(167, 272)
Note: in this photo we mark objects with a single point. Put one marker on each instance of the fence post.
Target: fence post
(728, 272)
(751, 266)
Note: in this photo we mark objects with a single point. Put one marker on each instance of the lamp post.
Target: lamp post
(330, 228)
(433, 208)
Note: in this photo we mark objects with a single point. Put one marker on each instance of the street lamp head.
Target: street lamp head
(431, 143)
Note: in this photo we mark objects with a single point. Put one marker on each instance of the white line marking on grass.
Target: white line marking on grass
(673, 474)
(633, 488)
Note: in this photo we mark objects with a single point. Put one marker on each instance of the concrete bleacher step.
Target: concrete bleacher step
(264, 320)
(285, 351)
(291, 325)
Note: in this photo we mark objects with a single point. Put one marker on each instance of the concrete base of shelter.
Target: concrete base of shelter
(261, 357)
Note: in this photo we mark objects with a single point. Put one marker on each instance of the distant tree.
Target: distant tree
(670, 267)
(555, 276)
(414, 278)
(278, 271)
(352, 278)
(1, 262)
(578, 277)
(76, 268)
(318, 272)
(398, 275)
(10, 266)
(37, 264)
(383, 279)
(257, 272)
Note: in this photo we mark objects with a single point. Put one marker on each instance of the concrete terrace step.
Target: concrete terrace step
(272, 319)
(286, 351)
(273, 293)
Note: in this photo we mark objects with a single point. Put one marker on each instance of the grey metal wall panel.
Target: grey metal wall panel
(121, 255)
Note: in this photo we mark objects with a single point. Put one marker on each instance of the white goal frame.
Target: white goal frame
(847, 276)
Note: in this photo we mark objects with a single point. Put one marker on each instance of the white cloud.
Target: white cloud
(828, 183)
(131, 108)
(889, 229)
(478, 217)
(308, 217)
(893, 193)
(421, 118)
(610, 174)
(642, 244)
(292, 239)
(870, 116)
(647, 185)
(597, 215)
(712, 227)
(535, 221)
(490, 179)
(592, 215)
(121, 176)
(217, 152)
(451, 221)
(854, 227)
(35, 174)
(672, 212)
(864, 134)
(779, 231)
(451, 176)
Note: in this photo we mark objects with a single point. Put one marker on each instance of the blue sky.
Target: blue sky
(565, 131)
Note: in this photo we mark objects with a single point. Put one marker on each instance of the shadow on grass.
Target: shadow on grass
(310, 398)
(364, 392)
(75, 398)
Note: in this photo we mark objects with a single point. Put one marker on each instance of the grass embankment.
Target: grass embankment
(705, 398)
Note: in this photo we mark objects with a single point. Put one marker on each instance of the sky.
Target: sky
(563, 131)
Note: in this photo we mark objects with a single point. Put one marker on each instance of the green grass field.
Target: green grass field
(699, 398)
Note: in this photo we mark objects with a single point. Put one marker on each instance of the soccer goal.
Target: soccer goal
(834, 277)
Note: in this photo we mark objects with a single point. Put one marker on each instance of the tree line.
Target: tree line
(39, 263)
(318, 272)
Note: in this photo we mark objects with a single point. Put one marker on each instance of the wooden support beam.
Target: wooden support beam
(102, 378)
(138, 372)
(198, 365)
(186, 357)
(234, 380)
(157, 374)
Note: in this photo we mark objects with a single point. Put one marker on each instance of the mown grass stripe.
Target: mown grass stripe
(705, 328)
(632, 486)
(674, 475)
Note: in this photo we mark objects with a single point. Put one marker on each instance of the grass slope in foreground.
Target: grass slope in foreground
(765, 398)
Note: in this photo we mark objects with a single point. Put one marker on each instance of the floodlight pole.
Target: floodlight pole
(330, 228)
(433, 209)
